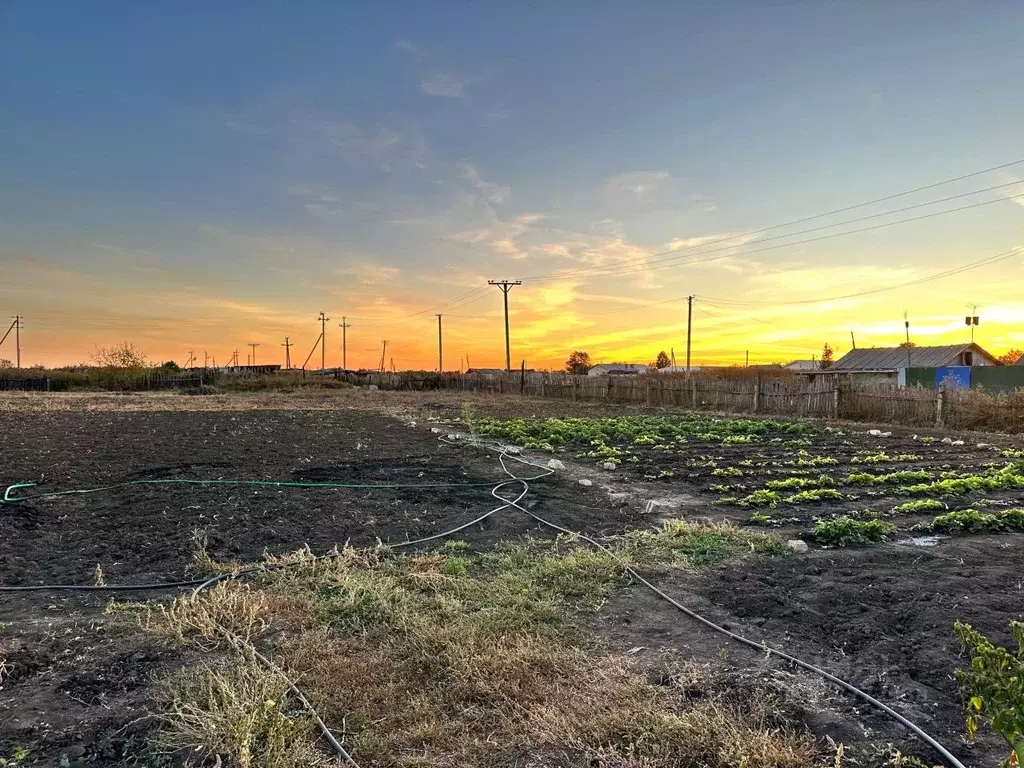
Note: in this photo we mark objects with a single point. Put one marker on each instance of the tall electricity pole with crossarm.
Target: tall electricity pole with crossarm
(506, 286)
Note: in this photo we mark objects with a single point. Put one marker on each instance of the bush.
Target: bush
(993, 687)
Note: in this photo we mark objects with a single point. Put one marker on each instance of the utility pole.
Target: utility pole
(323, 340)
(236, 358)
(506, 286)
(440, 359)
(344, 342)
(906, 324)
(287, 353)
(191, 357)
(689, 330)
(747, 363)
(383, 352)
(206, 359)
(972, 319)
(254, 344)
(18, 324)
(853, 341)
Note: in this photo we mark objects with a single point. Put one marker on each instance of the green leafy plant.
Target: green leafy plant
(814, 495)
(761, 499)
(727, 472)
(844, 531)
(975, 520)
(793, 483)
(922, 505)
(993, 687)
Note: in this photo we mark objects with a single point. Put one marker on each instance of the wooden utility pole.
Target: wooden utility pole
(16, 326)
(440, 358)
(689, 330)
(254, 344)
(506, 286)
(323, 340)
(853, 341)
(344, 342)
(383, 354)
(287, 353)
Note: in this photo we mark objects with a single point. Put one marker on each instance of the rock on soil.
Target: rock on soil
(798, 545)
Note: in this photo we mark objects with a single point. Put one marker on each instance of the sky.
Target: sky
(193, 177)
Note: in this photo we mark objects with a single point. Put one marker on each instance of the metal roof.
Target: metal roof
(891, 358)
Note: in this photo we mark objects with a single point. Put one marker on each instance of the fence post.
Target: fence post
(647, 389)
(757, 392)
(835, 402)
(522, 379)
(939, 397)
(693, 393)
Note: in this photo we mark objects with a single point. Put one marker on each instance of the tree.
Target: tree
(5, 364)
(827, 357)
(908, 344)
(122, 355)
(1011, 357)
(662, 361)
(170, 365)
(578, 363)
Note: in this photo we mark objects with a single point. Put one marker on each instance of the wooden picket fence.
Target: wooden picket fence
(829, 397)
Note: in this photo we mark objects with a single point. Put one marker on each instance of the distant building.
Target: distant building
(617, 369)
(803, 365)
(493, 371)
(895, 358)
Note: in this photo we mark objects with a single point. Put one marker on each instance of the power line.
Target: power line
(657, 263)
(805, 219)
(937, 276)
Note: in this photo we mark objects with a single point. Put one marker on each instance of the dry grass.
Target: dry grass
(237, 714)
(449, 660)
(978, 410)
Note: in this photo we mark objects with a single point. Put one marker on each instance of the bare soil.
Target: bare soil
(81, 683)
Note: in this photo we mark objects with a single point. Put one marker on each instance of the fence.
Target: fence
(822, 397)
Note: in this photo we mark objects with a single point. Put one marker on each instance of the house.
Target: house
(895, 358)
(485, 371)
(617, 369)
(803, 365)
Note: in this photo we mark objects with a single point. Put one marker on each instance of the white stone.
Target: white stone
(984, 445)
(371, 387)
(947, 440)
(586, 482)
(957, 442)
(798, 545)
(555, 464)
(875, 432)
(608, 465)
(436, 430)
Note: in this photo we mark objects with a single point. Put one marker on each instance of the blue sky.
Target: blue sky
(226, 170)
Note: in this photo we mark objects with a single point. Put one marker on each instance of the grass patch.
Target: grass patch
(449, 659)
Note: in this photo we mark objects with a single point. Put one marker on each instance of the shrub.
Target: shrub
(993, 687)
(761, 499)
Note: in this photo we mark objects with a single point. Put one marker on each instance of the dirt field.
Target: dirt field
(80, 682)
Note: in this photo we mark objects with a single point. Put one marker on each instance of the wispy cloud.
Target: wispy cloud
(492, 117)
(412, 49)
(447, 84)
